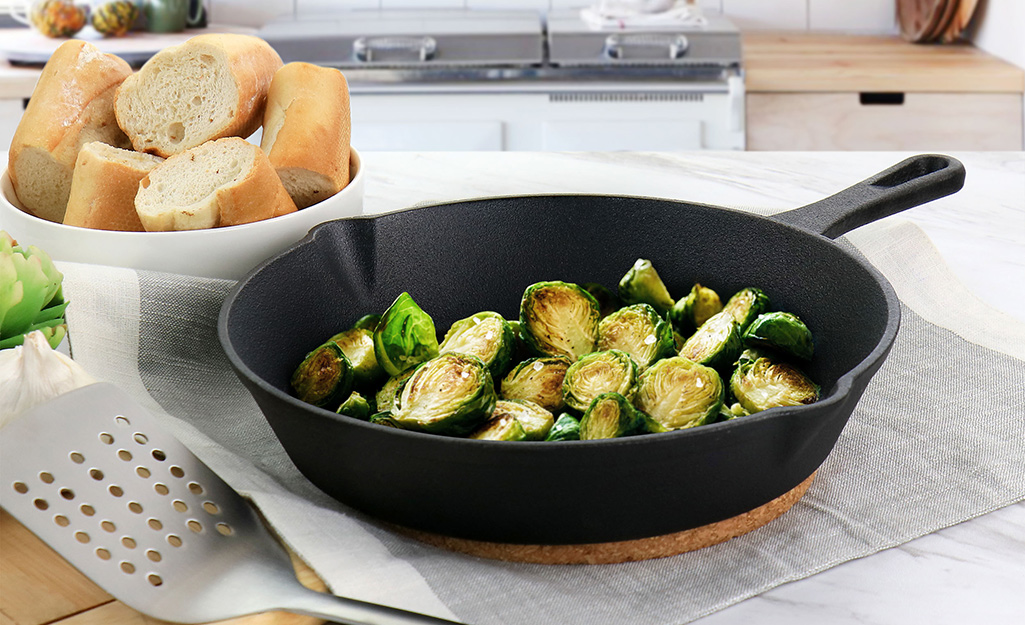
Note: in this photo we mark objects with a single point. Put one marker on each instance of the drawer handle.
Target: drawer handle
(890, 98)
(675, 45)
(421, 48)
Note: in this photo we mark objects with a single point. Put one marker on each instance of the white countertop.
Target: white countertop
(969, 573)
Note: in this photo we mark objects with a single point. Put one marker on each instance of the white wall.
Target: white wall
(999, 28)
(858, 16)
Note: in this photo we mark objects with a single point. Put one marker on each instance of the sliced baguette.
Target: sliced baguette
(209, 87)
(104, 185)
(71, 105)
(219, 183)
(306, 131)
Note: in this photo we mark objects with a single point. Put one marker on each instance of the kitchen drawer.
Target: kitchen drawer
(648, 136)
(911, 121)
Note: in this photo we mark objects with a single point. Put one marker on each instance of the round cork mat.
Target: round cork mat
(625, 550)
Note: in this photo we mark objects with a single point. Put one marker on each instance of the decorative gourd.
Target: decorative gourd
(58, 18)
(114, 19)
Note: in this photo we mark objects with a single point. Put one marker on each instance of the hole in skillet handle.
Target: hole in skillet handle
(911, 182)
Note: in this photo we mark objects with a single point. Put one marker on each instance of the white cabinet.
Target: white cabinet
(10, 115)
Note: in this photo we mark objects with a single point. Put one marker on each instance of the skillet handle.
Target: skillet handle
(907, 184)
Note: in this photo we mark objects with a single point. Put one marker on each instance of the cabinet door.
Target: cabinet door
(647, 136)
(427, 135)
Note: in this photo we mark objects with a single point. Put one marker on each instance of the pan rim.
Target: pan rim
(840, 391)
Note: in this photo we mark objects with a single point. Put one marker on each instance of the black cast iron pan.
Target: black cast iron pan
(460, 258)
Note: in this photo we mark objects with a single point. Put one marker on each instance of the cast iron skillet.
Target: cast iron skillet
(464, 257)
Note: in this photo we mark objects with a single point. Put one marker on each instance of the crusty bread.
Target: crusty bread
(209, 87)
(71, 105)
(104, 185)
(219, 183)
(306, 130)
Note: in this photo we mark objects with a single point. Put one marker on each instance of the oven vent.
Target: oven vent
(613, 96)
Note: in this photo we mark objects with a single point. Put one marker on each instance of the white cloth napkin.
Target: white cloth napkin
(623, 14)
(937, 439)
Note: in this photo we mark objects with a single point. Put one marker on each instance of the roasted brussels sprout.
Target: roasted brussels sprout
(358, 346)
(450, 395)
(640, 332)
(762, 384)
(729, 413)
(356, 406)
(678, 393)
(405, 336)
(367, 322)
(596, 373)
(324, 377)
(642, 285)
(783, 332)
(746, 305)
(716, 343)
(487, 336)
(566, 428)
(610, 415)
(608, 302)
(559, 319)
(385, 419)
(538, 380)
(500, 427)
(385, 397)
(535, 420)
(693, 310)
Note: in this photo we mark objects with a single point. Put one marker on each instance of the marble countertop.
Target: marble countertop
(969, 573)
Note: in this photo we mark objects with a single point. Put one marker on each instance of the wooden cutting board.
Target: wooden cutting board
(922, 20)
(962, 17)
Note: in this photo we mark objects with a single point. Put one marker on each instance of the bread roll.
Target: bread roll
(219, 183)
(209, 87)
(306, 131)
(104, 185)
(71, 105)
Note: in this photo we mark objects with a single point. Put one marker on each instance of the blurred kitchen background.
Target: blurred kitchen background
(919, 75)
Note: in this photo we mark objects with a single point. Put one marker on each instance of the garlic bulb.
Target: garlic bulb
(33, 373)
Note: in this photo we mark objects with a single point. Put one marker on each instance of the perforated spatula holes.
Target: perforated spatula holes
(94, 476)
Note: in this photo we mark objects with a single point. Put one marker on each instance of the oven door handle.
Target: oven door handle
(420, 48)
(617, 44)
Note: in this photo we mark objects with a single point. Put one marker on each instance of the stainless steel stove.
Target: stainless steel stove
(520, 80)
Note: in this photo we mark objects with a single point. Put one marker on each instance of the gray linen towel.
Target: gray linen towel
(936, 439)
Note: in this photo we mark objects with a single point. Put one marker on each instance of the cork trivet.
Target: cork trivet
(626, 550)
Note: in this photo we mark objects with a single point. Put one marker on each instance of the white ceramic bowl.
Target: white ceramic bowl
(229, 252)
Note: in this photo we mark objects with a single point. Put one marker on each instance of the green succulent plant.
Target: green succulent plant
(30, 294)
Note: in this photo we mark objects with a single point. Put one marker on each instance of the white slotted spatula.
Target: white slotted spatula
(96, 477)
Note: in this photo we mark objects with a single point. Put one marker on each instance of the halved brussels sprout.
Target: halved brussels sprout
(716, 343)
(449, 395)
(487, 336)
(729, 413)
(746, 305)
(642, 285)
(762, 384)
(783, 332)
(358, 346)
(640, 332)
(385, 397)
(596, 373)
(696, 308)
(566, 428)
(501, 427)
(559, 319)
(367, 322)
(538, 380)
(610, 415)
(678, 393)
(324, 377)
(535, 420)
(384, 418)
(405, 336)
(608, 302)
(356, 406)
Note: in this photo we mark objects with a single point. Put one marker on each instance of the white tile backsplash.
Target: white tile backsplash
(254, 13)
(767, 14)
(423, 4)
(520, 5)
(306, 8)
(866, 16)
